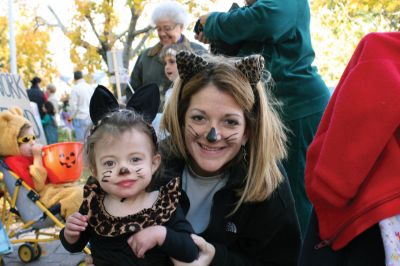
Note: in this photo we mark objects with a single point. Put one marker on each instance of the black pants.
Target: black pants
(365, 250)
(302, 132)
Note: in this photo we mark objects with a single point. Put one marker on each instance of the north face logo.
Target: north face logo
(231, 227)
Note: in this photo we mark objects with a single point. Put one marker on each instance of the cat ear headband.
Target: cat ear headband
(189, 64)
(145, 101)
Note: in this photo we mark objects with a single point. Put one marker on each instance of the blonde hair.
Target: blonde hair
(173, 49)
(266, 134)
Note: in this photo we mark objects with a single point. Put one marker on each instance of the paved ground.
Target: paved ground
(53, 253)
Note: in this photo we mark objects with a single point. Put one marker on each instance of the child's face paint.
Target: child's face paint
(170, 69)
(25, 149)
(211, 108)
(125, 164)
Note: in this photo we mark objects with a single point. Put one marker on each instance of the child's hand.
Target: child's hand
(146, 239)
(206, 254)
(76, 223)
(37, 150)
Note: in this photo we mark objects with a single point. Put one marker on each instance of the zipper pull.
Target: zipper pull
(322, 244)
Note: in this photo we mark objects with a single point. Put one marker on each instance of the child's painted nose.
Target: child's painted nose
(124, 171)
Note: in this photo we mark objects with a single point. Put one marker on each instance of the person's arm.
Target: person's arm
(136, 79)
(37, 170)
(178, 243)
(46, 120)
(79, 245)
(173, 238)
(264, 21)
(77, 235)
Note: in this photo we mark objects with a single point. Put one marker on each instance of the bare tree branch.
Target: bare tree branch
(64, 29)
(122, 34)
(90, 20)
(148, 28)
(39, 22)
(60, 24)
(140, 44)
(129, 37)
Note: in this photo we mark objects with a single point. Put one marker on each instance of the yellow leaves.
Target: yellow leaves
(84, 7)
(4, 53)
(393, 6)
(138, 5)
(33, 55)
(342, 23)
(86, 58)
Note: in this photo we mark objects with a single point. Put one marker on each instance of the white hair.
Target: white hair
(170, 10)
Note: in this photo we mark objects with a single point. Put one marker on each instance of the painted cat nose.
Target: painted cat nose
(212, 135)
(124, 171)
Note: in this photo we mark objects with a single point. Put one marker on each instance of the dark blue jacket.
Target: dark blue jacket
(36, 95)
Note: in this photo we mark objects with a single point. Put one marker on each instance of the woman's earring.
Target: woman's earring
(244, 153)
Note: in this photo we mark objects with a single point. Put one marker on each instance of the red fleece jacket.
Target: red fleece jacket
(20, 166)
(353, 164)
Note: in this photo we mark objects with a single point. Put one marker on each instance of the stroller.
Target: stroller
(26, 218)
(5, 245)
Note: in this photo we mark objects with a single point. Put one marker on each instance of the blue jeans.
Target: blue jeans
(80, 127)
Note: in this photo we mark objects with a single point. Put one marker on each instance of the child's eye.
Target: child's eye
(109, 163)
(135, 159)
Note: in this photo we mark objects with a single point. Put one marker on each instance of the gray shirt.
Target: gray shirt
(200, 191)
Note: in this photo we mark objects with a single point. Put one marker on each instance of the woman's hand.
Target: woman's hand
(200, 36)
(147, 239)
(89, 260)
(75, 224)
(206, 254)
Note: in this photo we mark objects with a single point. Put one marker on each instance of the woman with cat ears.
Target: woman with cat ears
(123, 218)
(226, 142)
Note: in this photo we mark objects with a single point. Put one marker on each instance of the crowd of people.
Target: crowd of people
(68, 113)
(238, 155)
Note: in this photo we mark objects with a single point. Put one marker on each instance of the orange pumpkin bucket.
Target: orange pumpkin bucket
(63, 161)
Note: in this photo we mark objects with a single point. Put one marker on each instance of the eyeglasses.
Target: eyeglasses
(26, 139)
(166, 28)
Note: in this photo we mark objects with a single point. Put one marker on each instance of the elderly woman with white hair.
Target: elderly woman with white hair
(170, 19)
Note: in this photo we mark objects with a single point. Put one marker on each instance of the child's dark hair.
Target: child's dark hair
(49, 108)
(114, 124)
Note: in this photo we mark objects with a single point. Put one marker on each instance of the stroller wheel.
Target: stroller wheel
(38, 250)
(26, 253)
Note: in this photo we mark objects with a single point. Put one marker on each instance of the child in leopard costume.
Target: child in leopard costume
(122, 155)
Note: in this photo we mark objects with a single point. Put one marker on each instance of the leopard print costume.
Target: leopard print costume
(105, 224)
(189, 64)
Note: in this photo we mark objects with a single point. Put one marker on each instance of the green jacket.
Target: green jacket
(149, 68)
(279, 30)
